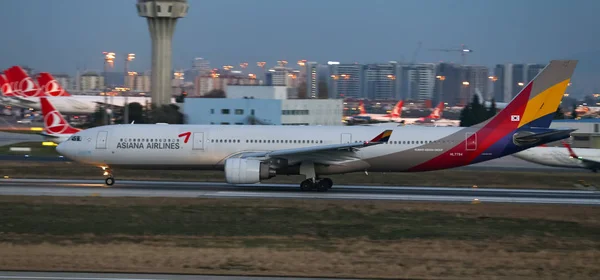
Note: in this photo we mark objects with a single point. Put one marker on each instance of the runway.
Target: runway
(508, 163)
(125, 188)
(127, 276)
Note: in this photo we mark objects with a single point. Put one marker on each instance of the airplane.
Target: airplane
(566, 157)
(56, 128)
(26, 94)
(363, 115)
(436, 114)
(249, 154)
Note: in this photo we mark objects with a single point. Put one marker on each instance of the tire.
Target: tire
(327, 182)
(109, 181)
(306, 185)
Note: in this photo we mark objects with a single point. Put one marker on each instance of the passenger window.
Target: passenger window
(225, 111)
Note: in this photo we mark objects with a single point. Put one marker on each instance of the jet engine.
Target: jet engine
(247, 171)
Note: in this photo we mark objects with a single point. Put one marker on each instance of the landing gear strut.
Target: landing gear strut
(110, 179)
(320, 185)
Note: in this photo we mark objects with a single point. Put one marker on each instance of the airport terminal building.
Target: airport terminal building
(267, 105)
(587, 134)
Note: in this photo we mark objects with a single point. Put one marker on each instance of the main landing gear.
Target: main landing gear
(110, 179)
(307, 168)
(320, 185)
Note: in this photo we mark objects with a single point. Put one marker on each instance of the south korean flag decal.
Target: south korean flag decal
(515, 118)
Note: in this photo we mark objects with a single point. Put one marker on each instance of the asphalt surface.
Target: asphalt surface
(508, 163)
(126, 188)
(126, 276)
(7, 138)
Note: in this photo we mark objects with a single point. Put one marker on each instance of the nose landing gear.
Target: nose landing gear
(110, 179)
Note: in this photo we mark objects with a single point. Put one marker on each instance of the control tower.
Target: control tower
(162, 16)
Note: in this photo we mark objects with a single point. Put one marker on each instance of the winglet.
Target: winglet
(382, 137)
(571, 152)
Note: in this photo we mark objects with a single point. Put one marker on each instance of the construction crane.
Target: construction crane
(414, 57)
(463, 52)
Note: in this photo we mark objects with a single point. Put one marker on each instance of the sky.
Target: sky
(63, 35)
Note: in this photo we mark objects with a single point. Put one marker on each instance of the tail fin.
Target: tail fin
(361, 107)
(6, 87)
(54, 123)
(397, 111)
(50, 86)
(537, 102)
(22, 84)
(571, 152)
(437, 112)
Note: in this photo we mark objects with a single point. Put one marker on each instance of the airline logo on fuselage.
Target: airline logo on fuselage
(149, 144)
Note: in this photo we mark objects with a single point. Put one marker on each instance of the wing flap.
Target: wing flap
(311, 150)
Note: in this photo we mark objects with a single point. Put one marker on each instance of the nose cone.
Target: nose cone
(62, 149)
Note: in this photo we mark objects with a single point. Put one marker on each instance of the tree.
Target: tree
(136, 112)
(559, 115)
(215, 93)
(492, 110)
(166, 114)
(97, 118)
(475, 112)
(574, 113)
(465, 116)
(323, 90)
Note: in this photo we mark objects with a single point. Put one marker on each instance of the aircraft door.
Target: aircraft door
(346, 138)
(198, 141)
(471, 141)
(101, 140)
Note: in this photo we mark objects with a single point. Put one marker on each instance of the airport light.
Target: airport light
(441, 78)
(302, 62)
(465, 83)
(109, 58)
(520, 84)
(391, 77)
(493, 78)
(244, 65)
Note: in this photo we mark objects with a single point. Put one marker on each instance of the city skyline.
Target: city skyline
(364, 32)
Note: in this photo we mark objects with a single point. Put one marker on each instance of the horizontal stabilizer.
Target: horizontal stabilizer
(544, 136)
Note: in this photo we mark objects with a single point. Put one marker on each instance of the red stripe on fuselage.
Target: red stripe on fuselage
(496, 129)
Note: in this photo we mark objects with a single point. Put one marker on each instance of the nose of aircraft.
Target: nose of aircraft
(62, 149)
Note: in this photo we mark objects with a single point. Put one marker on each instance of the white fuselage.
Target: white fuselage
(378, 117)
(446, 122)
(76, 104)
(160, 147)
(558, 156)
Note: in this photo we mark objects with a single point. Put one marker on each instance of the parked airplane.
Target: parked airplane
(363, 115)
(250, 154)
(56, 128)
(25, 94)
(436, 114)
(563, 157)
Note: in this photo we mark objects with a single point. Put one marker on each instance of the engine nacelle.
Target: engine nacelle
(247, 171)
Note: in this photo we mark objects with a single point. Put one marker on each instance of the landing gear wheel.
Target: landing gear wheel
(306, 185)
(322, 186)
(109, 181)
(327, 182)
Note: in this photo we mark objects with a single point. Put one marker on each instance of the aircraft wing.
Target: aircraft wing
(333, 152)
(22, 101)
(589, 163)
